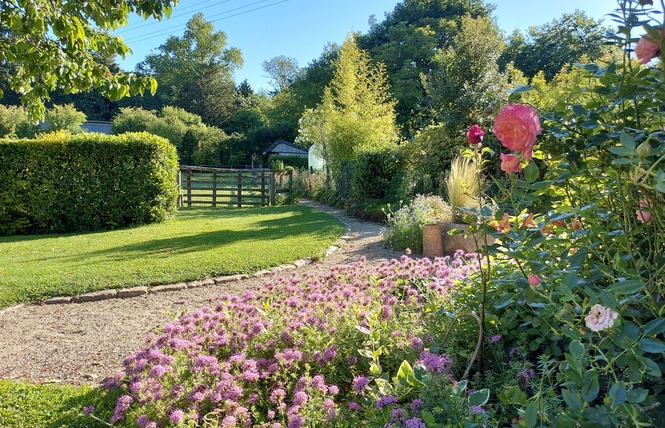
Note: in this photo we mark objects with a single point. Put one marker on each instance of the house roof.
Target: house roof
(285, 143)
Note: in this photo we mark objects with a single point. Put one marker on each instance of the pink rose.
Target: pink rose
(510, 163)
(475, 134)
(600, 318)
(517, 126)
(647, 48)
(644, 215)
(533, 280)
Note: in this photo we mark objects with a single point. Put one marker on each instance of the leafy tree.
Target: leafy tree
(407, 42)
(64, 117)
(355, 113)
(195, 71)
(52, 45)
(551, 46)
(465, 78)
(282, 71)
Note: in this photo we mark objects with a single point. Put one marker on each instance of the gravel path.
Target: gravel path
(81, 343)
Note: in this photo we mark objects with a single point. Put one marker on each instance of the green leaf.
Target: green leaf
(637, 395)
(626, 140)
(479, 398)
(652, 346)
(577, 349)
(656, 326)
(531, 172)
(626, 287)
(621, 151)
(618, 393)
(572, 400)
(531, 415)
(651, 366)
(590, 387)
(428, 417)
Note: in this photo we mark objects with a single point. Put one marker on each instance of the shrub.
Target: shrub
(280, 162)
(65, 118)
(297, 353)
(405, 225)
(376, 174)
(63, 183)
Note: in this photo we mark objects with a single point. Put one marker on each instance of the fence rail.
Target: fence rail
(224, 186)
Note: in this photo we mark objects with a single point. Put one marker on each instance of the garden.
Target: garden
(556, 319)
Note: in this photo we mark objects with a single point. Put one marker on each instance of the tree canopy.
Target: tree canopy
(53, 45)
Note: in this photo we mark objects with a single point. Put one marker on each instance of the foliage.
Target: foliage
(355, 113)
(374, 172)
(54, 46)
(431, 153)
(405, 225)
(197, 243)
(195, 71)
(86, 182)
(407, 40)
(463, 186)
(550, 47)
(43, 406)
(295, 162)
(297, 352)
(282, 70)
(465, 79)
(65, 118)
(14, 123)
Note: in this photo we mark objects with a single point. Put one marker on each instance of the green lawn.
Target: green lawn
(49, 406)
(199, 242)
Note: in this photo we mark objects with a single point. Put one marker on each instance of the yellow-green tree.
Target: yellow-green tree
(356, 112)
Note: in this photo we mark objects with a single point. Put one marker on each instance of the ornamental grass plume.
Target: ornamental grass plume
(463, 186)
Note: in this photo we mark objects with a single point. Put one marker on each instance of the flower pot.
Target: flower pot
(465, 241)
(432, 240)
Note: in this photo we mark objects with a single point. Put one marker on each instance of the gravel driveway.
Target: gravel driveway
(79, 343)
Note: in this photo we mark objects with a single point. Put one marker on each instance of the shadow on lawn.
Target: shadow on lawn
(72, 409)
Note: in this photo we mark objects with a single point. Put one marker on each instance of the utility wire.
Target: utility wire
(170, 30)
(175, 15)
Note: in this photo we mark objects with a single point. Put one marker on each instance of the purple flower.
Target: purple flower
(359, 384)
(385, 400)
(417, 343)
(476, 410)
(354, 406)
(300, 398)
(434, 363)
(386, 312)
(158, 371)
(415, 423)
(494, 339)
(176, 416)
(89, 410)
(416, 404)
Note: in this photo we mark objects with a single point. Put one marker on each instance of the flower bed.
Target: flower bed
(301, 350)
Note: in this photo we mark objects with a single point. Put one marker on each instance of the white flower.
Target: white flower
(600, 318)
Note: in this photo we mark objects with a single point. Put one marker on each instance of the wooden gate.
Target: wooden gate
(239, 187)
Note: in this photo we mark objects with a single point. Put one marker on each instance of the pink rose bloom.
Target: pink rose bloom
(510, 163)
(533, 280)
(600, 318)
(475, 134)
(517, 126)
(647, 48)
(644, 216)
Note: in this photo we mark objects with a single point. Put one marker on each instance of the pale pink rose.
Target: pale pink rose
(510, 163)
(600, 318)
(517, 126)
(644, 213)
(475, 134)
(533, 280)
(647, 49)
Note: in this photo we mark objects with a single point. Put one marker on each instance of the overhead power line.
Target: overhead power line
(177, 27)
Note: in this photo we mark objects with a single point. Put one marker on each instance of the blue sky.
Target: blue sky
(263, 29)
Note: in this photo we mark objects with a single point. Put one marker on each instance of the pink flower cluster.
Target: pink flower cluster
(237, 359)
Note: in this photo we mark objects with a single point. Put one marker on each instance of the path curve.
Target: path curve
(81, 343)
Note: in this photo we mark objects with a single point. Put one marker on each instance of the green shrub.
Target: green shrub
(405, 225)
(65, 118)
(297, 162)
(375, 173)
(85, 182)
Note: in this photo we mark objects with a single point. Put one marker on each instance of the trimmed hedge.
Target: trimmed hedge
(88, 182)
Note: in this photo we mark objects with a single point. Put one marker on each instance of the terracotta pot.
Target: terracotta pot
(465, 242)
(432, 240)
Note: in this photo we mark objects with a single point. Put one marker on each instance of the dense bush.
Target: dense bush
(375, 174)
(65, 118)
(305, 349)
(63, 183)
(14, 121)
(279, 162)
(405, 225)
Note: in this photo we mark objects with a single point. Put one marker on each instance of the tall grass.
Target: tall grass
(464, 185)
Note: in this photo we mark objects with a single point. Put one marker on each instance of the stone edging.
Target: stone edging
(123, 293)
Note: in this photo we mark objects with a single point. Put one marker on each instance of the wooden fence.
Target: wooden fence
(239, 187)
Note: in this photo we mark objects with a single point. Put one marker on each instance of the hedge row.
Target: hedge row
(64, 183)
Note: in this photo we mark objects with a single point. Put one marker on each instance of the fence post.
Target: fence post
(263, 188)
(273, 185)
(189, 187)
(214, 188)
(179, 188)
(239, 189)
